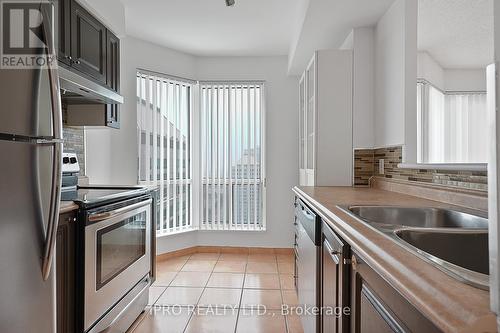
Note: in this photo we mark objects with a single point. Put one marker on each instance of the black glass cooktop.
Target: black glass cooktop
(99, 194)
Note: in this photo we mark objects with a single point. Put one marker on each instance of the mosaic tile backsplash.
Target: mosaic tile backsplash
(366, 165)
(74, 142)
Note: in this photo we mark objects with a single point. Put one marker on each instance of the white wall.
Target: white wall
(465, 79)
(497, 30)
(389, 77)
(450, 79)
(348, 43)
(110, 12)
(395, 77)
(430, 70)
(361, 41)
(281, 144)
(112, 154)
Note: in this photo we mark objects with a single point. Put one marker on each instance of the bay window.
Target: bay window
(164, 108)
(232, 156)
(222, 186)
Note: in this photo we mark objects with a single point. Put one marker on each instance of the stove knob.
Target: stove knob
(72, 160)
(65, 160)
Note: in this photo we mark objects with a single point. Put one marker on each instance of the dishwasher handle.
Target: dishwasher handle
(333, 253)
(309, 221)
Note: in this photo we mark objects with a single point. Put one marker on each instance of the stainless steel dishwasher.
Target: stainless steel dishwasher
(308, 254)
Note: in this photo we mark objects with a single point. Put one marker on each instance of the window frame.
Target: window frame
(195, 139)
(153, 156)
(423, 113)
(263, 179)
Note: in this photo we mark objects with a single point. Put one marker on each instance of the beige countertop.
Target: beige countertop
(67, 206)
(450, 304)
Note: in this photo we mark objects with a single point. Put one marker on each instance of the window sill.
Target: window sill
(165, 234)
(177, 232)
(234, 230)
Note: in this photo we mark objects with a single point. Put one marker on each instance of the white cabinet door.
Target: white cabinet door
(325, 137)
(302, 131)
(311, 119)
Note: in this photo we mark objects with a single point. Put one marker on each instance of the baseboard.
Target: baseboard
(224, 249)
(177, 253)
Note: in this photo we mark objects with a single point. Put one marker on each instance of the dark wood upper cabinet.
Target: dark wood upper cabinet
(112, 61)
(88, 44)
(63, 30)
(113, 115)
(113, 77)
(376, 307)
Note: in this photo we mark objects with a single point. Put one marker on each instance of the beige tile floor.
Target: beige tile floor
(191, 293)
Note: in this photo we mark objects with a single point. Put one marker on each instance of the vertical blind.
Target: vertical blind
(232, 156)
(451, 126)
(164, 138)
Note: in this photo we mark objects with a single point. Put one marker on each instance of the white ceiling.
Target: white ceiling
(251, 27)
(457, 33)
(209, 28)
(326, 24)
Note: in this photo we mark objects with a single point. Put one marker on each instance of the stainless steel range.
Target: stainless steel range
(114, 256)
(116, 243)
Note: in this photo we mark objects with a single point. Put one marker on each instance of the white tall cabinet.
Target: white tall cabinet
(325, 130)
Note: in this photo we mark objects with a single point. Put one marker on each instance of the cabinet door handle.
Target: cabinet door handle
(354, 262)
(77, 62)
(68, 57)
(333, 253)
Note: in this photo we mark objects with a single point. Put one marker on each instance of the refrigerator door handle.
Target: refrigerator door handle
(55, 196)
(29, 139)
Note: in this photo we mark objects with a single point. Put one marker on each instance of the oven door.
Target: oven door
(117, 256)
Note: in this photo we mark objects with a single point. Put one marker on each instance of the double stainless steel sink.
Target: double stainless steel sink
(453, 241)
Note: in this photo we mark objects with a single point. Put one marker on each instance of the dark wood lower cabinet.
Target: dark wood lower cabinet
(65, 273)
(379, 308)
(335, 282)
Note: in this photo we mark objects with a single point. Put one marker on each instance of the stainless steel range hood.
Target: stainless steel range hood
(76, 89)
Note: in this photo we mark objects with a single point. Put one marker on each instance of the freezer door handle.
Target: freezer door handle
(55, 195)
(42, 141)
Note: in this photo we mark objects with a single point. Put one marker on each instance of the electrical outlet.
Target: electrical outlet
(381, 166)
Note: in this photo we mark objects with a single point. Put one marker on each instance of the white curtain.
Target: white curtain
(164, 138)
(232, 156)
(452, 126)
(466, 141)
(436, 126)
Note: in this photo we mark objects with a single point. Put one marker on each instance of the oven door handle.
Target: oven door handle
(98, 217)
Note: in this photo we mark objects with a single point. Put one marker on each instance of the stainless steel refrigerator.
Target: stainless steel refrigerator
(31, 147)
(493, 89)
